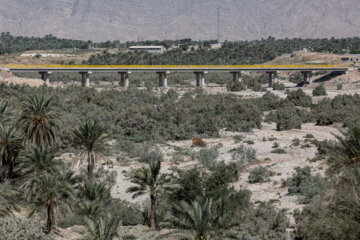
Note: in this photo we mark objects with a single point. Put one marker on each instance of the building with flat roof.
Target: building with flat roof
(150, 49)
(351, 58)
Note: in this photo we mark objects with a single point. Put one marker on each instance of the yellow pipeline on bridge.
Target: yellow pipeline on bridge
(190, 67)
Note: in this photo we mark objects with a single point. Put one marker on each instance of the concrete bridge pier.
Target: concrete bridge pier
(124, 79)
(307, 77)
(237, 76)
(45, 76)
(163, 79)
(271, 74)
(85, 79)
(276, 77)
(273, 78)
(310, 77)
(200, 79)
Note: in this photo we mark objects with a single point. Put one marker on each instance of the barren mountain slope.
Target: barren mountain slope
(174, 19)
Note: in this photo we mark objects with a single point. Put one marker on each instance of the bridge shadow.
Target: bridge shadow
(329, 77)
(301, 84)
(322, 79)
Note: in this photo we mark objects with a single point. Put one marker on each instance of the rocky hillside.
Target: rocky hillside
(173, 19)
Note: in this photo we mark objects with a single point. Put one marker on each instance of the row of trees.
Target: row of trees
(14, 44)
(239, 52)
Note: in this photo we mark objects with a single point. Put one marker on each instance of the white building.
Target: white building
(150, 49)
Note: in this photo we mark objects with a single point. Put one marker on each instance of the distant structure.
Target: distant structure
(351, 58)
(150, 49)
(215, 45)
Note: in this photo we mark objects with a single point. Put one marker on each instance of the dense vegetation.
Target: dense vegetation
(13, 44)
(334, 215)
(35, 128)
(33, 174)
(185, 51)
(242, 52)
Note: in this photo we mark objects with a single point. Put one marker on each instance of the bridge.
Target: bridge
(163, 71)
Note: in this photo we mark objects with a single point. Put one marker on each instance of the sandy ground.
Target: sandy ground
(9, 78)
(282, 165)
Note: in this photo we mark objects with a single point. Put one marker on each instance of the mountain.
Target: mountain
(103, 20)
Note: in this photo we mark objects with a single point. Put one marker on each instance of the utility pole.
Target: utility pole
(218, 25)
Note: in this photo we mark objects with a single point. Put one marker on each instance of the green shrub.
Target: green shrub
(278, 86)
(299, 98)
(21, 229)
(271, 117)
(305, 185)
(300, 175)
(275, 145)
(129, 237)
(177, 158)
(243, 117)
(208, 156)
(309, 135)
(129, 213)
(310, 188)
(249, 142)
(243, 155)
(70, 220)
(254, 83)
(328, 147)
(339, 86)
(296, 142)
(306, 116)
(270, 101)
(319, 91)
(144, 152)
(279, 151)
(296, 78)
(258, 174)
(238, 138)
(342, 109)
(318, 221)
(235, 86)
(287, 118)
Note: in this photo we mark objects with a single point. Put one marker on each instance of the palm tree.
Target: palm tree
(95, 197)
(10, 147)
(102, 228)
(351, 142)
(347, 152)
(37, 160)
(196, 216)
(148, 180)
(93, 190)
(54, 192)
(6, 112)
(39, 120)
(91, 137)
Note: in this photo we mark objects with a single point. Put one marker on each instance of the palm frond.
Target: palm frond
(39, 119)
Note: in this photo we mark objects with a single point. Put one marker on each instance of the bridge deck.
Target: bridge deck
(175, 68)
